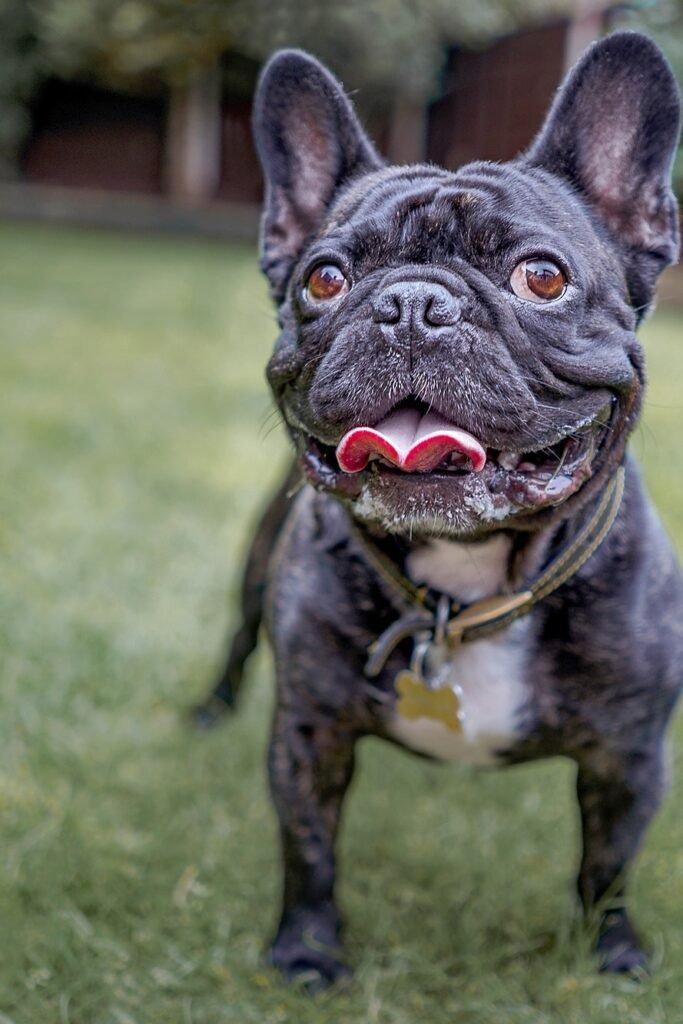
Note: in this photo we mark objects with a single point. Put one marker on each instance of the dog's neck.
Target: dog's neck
(467, 572)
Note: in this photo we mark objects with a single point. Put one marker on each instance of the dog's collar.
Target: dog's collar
(448, 621)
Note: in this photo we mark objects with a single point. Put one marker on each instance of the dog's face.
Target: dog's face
(457, 351)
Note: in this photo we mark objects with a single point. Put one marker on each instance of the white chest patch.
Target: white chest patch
(490, 674)
(468, 572)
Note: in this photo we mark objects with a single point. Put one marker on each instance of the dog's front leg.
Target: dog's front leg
(310, 767)
(617, 799)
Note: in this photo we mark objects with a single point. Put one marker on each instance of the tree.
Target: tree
(386, 46)
(135, 43)
(387, 49)
(22, 65)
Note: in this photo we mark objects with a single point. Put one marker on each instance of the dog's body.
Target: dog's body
(490, 311)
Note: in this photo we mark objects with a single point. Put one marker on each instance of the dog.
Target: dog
(470, 567)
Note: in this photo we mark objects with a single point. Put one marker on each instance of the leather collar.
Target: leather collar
(448, 621)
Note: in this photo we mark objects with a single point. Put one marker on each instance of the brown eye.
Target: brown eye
(538, 280)
(326, 282)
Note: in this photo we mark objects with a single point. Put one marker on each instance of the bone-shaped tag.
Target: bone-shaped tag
(417, 700)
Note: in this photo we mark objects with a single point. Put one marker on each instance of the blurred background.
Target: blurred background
(136, 112)
(139, 870)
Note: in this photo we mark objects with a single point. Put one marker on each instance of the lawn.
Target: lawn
(139, 871)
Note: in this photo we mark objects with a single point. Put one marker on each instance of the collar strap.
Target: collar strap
(482, 618)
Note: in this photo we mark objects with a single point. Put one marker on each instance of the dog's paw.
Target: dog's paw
(619, 949)
(307, 951)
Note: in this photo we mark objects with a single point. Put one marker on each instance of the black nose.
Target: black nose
(416, 304)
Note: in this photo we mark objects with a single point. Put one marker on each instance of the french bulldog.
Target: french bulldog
(470, 566)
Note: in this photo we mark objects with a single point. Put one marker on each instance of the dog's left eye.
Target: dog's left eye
(326, 282)
(538, 280)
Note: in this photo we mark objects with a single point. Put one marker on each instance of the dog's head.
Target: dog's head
(457, 350)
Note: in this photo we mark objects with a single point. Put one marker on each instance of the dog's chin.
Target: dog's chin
(510, 491)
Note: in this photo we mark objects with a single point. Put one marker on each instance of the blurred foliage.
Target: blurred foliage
(663, 21)
(387, 45)
(381, 47)
(384, 49)
(21, 68)
(135, 42)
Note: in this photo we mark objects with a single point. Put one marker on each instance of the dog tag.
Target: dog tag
(417, 700)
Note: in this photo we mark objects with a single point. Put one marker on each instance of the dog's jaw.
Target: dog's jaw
(427, 514)
(453, 499)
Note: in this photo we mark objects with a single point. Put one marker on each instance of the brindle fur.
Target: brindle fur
(604, 651)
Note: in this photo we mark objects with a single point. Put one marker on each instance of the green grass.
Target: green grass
(139, 871)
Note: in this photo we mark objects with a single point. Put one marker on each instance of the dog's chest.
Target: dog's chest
(489, 674)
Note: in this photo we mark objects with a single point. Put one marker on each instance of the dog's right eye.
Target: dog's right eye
(326, 282)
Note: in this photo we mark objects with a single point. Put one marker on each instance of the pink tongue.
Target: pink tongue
(412, 441)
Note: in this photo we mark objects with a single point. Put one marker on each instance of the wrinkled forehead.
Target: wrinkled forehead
(477, 211)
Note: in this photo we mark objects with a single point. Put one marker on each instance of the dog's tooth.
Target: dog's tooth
(509, 460)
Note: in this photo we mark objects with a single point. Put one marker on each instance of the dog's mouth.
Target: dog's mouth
(411, 441)
(415, 446)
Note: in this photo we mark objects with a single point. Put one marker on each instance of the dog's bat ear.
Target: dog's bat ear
(612, 133)
(310, 143)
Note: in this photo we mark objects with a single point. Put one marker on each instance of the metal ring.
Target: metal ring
(441, 618)
(417, 659)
